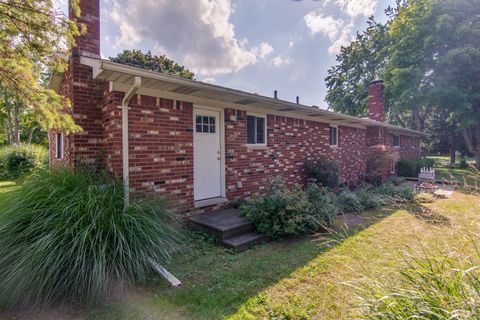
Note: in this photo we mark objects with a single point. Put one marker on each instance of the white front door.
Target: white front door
(206, 155)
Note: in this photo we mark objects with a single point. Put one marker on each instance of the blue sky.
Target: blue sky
(252, 45)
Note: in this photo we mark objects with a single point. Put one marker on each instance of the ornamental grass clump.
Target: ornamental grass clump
(434, 286)
(66, 237)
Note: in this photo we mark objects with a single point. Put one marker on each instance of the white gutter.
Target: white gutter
(126, 100)
(103, 68)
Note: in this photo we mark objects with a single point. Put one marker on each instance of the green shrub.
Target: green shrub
(396, 181)
(392, 194)
(18, 161)
(284, 212)
(323, 171)
(411, 168)
(350, 202)
(369, 199)
(322, 205)
(65, 237)
(463, 163)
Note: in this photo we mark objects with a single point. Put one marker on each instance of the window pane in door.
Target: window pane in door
(251, 129)
(260, 130)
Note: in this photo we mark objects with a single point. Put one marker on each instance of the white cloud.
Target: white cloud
(279, 61)
(197, 33)
(209, 80)
(345, 38)
(327, 25)
(265, 50)
(355, 8)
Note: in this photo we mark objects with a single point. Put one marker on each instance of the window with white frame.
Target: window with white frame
(256, 130)
(333, 136)
(59, 145)
(396, 140)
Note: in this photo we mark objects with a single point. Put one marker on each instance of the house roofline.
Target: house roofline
(111, 71)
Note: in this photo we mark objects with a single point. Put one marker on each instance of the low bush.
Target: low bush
(463, 164)
(66, 237)
(323, 171)
(369, 200)
(281, 211)
(18, 161)
(350, 202)
(393, 194)
(322, 205)
(411, 168)
(396, 181)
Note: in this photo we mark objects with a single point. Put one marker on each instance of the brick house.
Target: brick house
(201, 144)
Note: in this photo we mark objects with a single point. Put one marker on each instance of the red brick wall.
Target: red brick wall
(161, 148)
(290, 142)
(85, 93)
(376, 101)
(409, 147)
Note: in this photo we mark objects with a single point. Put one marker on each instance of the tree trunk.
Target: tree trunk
(30, 134)
(16, 130)
(452, 155)
(9, 126)
(472, 140)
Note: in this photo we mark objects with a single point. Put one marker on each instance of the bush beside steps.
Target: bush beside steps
(66, 237)
(282, 211)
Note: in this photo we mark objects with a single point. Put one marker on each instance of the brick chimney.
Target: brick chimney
(376, 101)
(84, 92)
(88, 43)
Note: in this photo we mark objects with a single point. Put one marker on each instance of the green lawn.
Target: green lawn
(312, 277)
(468, 178)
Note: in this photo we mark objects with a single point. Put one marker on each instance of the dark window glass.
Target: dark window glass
(333, 136)
(212, 120)
(212, 128)
(198, 119)
(198, 128)
(59, 146)
(256, 130)
(396, 141)
(261, 130)
(251, 129)
(205, 128)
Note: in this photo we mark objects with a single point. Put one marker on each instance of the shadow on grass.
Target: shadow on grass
(216, 282)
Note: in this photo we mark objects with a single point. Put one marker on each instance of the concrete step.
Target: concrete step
(222, 224)
(244, 241)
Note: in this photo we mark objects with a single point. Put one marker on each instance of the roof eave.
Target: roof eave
(100, 67)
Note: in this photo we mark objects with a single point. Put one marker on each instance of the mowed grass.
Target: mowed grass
(308, 278)
(304, 279)
(468, 178)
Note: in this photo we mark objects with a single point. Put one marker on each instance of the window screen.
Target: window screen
(255, 130)
(59, 145)
(333, 136)
(396, 141)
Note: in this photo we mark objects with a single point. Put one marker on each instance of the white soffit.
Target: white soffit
(173, 87)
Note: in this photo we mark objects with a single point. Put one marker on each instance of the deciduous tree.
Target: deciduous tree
(35, 38)
(152, 62)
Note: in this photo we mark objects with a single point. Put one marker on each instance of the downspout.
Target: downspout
(125, 101)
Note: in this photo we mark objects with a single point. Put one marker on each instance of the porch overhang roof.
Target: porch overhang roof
(167, 86)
